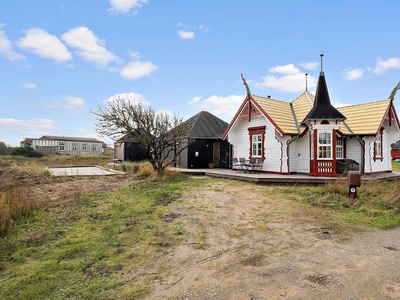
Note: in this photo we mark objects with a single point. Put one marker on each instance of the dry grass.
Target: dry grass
(15, 203)
(146, 170)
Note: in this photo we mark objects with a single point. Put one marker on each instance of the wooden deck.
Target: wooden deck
(279, 179)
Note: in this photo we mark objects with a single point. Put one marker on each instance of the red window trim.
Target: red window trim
(254, 131)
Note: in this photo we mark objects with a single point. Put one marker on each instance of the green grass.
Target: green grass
(378, 202)
(88, 249)
(396, 166)
(101, 245)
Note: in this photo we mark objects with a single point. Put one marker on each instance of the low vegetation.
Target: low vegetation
(100, 245)
(377, 204)
(396, 166)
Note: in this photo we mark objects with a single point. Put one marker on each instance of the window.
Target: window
(62, 147)
(84, 147)
(256, 145)
(94, 147)
(311, 132)
(378, 152)
(339, 147)
(74, 147)
(325, 145)
(257, 137)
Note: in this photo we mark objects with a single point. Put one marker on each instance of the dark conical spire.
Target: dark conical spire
(323, 108)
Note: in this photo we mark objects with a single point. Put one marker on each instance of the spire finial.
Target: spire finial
(396, 88)
(306, 82)
(245, 84)
(321, 62)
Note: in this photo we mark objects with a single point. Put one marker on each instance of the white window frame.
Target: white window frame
(84, 147)
(378, 146)
(256, 140)
(324, 145)
(339, 147)
(62, 147)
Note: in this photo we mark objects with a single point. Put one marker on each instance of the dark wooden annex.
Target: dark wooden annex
(128, 149)
(206, 129)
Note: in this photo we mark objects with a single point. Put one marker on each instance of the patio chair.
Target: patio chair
(254, 165)
(242, 164)
(235, 164)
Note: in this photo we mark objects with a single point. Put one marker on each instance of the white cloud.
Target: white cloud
(45, 45)
(309, 65)
(219, 105)
(286, 69)
(88, 46)
(353, 74)
(194, 100)
(29, 85)
(204, 28)
(137, 69)
(165, 112)
(382, 66)
(132, 98)
(68, 102)
(292, 80)
(27, 127)
(125, 6)
(6, 48)
(186, 34)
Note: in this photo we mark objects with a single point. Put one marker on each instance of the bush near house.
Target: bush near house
(26, 151)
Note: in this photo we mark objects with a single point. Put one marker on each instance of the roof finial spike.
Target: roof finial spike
(396, 88)
(306, 82)
(245, 84)
(322, 72)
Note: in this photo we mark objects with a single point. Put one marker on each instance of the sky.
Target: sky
(61, 59)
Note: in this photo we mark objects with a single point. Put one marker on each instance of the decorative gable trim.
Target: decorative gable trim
(249, 100)
(249, 110)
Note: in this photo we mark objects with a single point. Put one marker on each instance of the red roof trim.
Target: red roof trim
(387, 114)
(260, 109)
(235, 118)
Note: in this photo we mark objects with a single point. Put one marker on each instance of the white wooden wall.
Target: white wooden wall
(239, 138)
(390, 135)
(303, 148)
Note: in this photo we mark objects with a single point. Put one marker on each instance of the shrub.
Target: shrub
(127, 167)
(146, 170)
(26, 151)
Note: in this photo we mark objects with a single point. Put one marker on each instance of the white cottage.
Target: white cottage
(309, 135)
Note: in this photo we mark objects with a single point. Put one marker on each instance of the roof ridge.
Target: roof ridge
(270, 98)
(309, 98)
(359, 104)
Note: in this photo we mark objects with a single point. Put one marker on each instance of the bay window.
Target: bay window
(325, 145)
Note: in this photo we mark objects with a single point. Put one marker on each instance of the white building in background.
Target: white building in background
(49, 144)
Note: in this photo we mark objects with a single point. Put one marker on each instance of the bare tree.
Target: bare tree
(157, 133)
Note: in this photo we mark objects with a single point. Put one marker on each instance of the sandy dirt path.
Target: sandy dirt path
(258, 247)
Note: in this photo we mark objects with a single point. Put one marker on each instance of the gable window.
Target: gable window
(339, 147)
(325, 145)
(257, 137)
(62, 147)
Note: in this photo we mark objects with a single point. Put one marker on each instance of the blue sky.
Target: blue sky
(59, 59)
